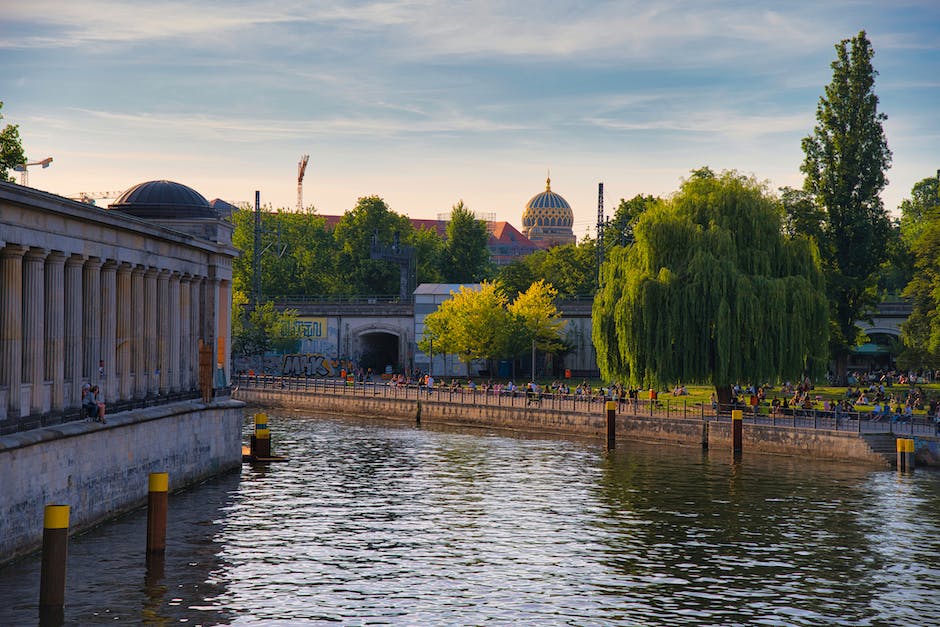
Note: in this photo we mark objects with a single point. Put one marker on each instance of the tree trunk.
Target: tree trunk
(724, 396)
(841, 367)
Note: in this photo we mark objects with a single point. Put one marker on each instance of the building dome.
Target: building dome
(163, 200)
(548, 219)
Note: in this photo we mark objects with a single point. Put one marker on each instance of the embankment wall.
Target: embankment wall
(811, 443)
(101, 471)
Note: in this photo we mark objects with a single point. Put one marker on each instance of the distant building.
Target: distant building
(548, 219)
(506, 244)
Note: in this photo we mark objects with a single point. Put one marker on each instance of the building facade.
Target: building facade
(116, 297)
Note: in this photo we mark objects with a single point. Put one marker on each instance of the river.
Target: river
(374, 523)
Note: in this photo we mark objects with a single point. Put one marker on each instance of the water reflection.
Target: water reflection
(376, 523)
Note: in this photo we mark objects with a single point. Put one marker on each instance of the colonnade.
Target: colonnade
(67, 318)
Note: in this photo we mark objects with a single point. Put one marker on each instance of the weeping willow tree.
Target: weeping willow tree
(711, 292)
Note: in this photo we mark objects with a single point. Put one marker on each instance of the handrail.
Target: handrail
(859, 422)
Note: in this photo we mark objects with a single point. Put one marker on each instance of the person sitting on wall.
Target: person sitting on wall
(88, 402)
(98, 397)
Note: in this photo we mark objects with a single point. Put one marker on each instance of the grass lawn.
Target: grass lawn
(702, 393)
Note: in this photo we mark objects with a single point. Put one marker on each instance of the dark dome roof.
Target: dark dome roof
(163, 199)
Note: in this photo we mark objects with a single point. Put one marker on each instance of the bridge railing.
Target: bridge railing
(859, 422)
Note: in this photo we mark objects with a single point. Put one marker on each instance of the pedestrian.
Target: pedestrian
(98, 396)
(89, 407)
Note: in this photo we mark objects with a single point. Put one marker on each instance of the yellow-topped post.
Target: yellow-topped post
(905, 454)
(157, 499)
(261, 440)
(611, 425)
(55, 541)
(737, 432)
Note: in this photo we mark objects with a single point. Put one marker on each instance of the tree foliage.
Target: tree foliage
(11, 149)
(619, 231)
(845, 162)
(356, 271)
(920, 229)
(258, 330)
(472, 324)
(535, 321)
(571, 269)
(466, 257)
(711, 291)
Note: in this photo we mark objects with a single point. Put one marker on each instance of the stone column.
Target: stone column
(91, 318)
(151, 357)
(212, 316)
(11, 325)
(34, 309)
(163, 332)
(137, 332)
(173, 366)
(73, 329)
(55, 327)
(122, 344)
(107, 372)
(225, 328)
(195, 326)
(185, 336)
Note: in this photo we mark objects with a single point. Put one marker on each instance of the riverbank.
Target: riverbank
(101, 470)
(589, 420)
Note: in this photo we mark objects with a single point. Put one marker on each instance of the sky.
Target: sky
(426, 103)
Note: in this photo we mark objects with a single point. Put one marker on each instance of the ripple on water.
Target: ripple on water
(376, 523)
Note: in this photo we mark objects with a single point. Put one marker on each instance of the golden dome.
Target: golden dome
(548, 218)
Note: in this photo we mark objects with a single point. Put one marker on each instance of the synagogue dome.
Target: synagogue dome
(548, 219)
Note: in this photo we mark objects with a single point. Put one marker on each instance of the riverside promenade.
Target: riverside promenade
(850, 437)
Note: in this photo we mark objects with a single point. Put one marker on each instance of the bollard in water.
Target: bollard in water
(159, 484)
(55, 542)
(905, 454)
(737, 432)
(611, 425)
(261, 440)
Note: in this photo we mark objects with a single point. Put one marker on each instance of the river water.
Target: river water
(372, 523)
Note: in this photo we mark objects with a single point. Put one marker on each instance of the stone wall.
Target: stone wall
(811, 443)
(101, 470)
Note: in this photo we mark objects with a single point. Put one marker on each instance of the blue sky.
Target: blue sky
(425, 103)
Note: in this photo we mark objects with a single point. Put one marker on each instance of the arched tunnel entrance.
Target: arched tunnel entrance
(379, 349)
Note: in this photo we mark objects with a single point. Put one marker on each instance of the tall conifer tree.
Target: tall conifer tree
(845, 162)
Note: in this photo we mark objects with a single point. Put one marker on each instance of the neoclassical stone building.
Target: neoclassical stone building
(118, 297)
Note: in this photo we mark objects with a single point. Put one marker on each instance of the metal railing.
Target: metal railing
(858, 422)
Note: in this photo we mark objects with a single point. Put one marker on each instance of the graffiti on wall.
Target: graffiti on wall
(319, 336)
(312, 365)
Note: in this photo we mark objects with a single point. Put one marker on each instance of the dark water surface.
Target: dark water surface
(377, 524)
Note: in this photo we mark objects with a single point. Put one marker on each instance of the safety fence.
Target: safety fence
(859, 422)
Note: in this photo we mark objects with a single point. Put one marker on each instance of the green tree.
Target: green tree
(845, 162)
(619, 231)
(801, 215)
(472, 324)
(356, 272)
(711, 291)
(258, 330)
(920, 230)
(571, 269)
(466, 254)
(11, 149)
(429, 255)
(535, 321)
(297, 253)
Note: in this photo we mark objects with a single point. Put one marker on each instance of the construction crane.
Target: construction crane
(23, 169)
(89, 198)
(301, 169)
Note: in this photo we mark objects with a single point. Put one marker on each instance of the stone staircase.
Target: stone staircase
(883, 444)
